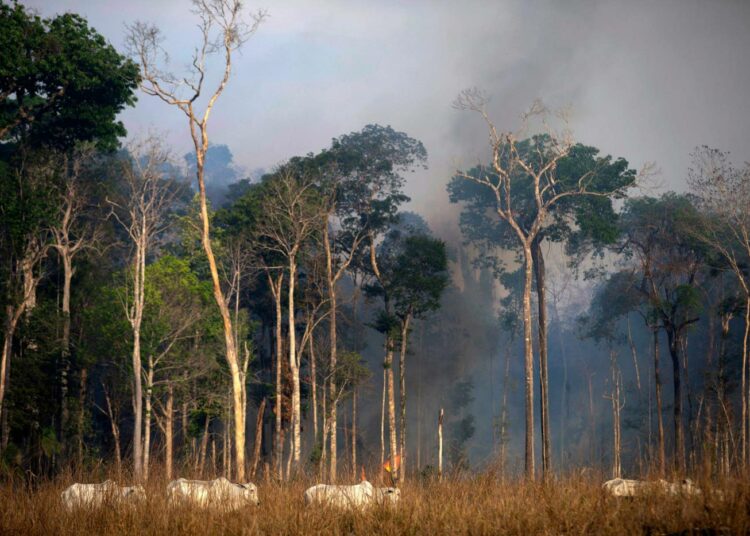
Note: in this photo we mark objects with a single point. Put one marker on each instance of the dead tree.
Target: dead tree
(145, 44)
(142, 215)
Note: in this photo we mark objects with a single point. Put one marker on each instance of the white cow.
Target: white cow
(218, 493)
(359, 496)
(621, 487)
(97, 495)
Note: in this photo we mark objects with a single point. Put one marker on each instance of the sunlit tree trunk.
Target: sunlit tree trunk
(528, 361)
(382, 418)
(278, 402)
(294, 365)
(393, 444)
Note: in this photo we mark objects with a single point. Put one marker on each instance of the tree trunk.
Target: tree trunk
(326, 424)
(354, 434)
(679, 439)
(135, 316)
(382, 418)
(65, 353)
(391, 409)
(314, 388)
(538, 259)
(169, 432)
(440, 444)
(294, 366)
(232, 357)
(203, 447)
(258, 438)
(402, 390)
(615, 397)
(147, 417)
(634, 354)
(278, 399)
(333, 338)
(137, 407)
(332, 409)
(659, 418)
(115, 431)
(11, 321)
(528, 361)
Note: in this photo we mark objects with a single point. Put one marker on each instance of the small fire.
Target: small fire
(397, 465)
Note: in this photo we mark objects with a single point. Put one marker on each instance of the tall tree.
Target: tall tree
(531, 166)
(60, 81)
(413, 276)
(361, 180)
(292, 211)
(143, 215)
(144, 41)
(658, 235)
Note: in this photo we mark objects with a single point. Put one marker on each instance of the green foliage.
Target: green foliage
(581, 221)
(60, 80)
(414, 270)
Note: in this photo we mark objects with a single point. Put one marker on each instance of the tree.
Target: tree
(26, 213)
(60, 84)
(73, 233)
(413, 276)
(723, 194)
(60, 81)
(145, 43)
(360, 180)
(142, 215)
(292, 213)
(531, 166)
(175, 315)
(658, 236)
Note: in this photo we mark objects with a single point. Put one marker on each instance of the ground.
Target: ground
(480, 504)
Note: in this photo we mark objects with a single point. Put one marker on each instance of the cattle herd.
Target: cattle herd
(223, 494)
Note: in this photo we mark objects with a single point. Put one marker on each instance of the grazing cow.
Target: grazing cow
(218, 493)
(360, 496)
(621, 487)
(97, 495)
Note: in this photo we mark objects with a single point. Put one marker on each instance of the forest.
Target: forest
(168, 315)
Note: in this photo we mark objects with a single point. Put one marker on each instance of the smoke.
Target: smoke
(647, 81)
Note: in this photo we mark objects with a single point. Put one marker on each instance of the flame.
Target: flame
(387, 465)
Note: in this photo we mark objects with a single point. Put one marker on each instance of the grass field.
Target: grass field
(469, 505)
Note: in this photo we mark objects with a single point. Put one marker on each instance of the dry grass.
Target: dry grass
(476, 505)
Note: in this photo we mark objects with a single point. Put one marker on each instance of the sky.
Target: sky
(648, 81)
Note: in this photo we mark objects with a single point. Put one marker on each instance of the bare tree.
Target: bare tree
(143, 216)
(538, 168)
(292, 214)
(145, 44)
